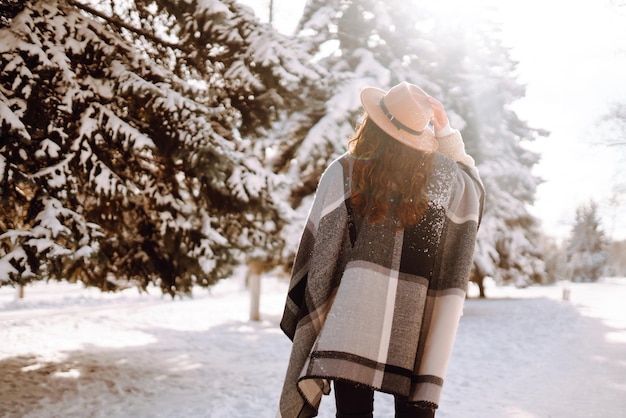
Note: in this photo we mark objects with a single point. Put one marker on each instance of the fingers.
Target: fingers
(436, 105)
(439, 118)
(433, 101)
(436, 125)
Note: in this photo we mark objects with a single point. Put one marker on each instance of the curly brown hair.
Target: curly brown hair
(384, 168)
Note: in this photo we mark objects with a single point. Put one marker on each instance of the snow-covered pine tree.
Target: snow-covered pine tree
(8, 9)
(587, 247)
(477, 75)
(126, 133)
(469, 69)
(553, 255)
(616, 263)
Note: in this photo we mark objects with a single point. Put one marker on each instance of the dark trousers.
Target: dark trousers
(357, 401)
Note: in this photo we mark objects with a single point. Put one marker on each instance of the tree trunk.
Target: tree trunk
(481, 287)
(255, 268)
(477, 277)
(271, 12)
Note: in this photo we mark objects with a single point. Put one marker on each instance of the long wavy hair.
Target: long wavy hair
(385, 168)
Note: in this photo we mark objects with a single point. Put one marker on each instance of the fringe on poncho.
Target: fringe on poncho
(376, 304)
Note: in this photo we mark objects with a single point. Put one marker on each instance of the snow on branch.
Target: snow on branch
(9, 121)
(122, 24)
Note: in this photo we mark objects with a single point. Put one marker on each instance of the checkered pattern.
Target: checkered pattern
(376, 304)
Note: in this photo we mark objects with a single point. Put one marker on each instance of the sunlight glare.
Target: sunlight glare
(477, 14)
(616, 337)
(456, 8)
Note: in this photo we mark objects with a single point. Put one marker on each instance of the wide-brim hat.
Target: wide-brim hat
(403, 112)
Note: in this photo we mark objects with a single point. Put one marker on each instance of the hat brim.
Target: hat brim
(370, 99)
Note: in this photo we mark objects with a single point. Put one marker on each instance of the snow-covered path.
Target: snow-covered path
(73, 352)
(539, 357)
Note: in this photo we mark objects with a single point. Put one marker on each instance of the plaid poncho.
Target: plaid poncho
(377, 304)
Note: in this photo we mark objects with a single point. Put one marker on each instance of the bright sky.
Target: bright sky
(572, 58)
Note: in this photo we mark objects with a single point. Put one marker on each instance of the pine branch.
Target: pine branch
(119, 23)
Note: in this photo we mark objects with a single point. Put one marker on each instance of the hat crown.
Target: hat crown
(403, 113)
(408, 105)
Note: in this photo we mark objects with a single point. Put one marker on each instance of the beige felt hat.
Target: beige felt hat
(403, 112)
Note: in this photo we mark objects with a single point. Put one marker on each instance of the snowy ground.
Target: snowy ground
(71, 352)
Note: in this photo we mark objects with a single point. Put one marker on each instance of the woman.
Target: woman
(380, 274)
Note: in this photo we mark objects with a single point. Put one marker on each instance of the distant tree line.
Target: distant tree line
(587, 254)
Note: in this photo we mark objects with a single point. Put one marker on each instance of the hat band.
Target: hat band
(395, 121)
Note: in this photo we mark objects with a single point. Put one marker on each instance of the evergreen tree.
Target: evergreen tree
(128, 130)
(616, 264)
(8, 9)
(586, 250)
(553, 254)
(466, 67)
